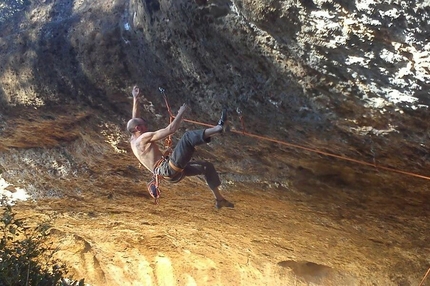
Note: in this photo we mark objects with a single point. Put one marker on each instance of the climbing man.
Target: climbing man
(177, 165)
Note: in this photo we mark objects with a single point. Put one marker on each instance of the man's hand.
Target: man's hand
(135, 111)
(174, 125)
(183, 109)
(135, 91)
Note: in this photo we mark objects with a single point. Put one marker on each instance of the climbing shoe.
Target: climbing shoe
(223, 203)
(223, 120)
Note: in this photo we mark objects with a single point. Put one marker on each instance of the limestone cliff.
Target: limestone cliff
(344, 84)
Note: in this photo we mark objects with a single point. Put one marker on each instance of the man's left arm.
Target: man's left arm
(170, 129)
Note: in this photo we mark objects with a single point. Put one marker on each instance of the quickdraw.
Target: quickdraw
(242, 122)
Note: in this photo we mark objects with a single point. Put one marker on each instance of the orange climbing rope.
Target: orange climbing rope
(154, 185)
(317, 151)
(243, 132)
(425, 276)
(168, 141)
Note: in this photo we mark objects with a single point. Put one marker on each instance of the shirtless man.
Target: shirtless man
(177, 165)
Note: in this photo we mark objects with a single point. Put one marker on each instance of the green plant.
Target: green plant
(27, 255)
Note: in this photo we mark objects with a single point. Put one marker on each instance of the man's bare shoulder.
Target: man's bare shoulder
(142, 140)
(145, 137)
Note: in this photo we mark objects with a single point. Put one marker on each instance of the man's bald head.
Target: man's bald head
(132, 123)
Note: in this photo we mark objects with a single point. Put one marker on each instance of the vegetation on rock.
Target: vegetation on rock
(27, 254)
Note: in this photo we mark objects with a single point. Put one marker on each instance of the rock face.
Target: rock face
(327, 161)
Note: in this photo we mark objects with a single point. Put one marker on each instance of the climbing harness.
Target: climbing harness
(154, 184)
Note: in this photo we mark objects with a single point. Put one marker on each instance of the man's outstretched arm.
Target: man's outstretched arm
(169, 129)
(135, 111)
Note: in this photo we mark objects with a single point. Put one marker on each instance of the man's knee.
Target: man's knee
(195, 137)
(211, 175)
(188, 135)
(209, 167)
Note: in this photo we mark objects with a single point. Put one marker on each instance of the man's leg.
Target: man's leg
(212, 179)
(212, 131)
(185, 148)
